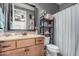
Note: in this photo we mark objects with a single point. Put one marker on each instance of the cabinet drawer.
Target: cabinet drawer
(24, 43)
(8, 45)
(39, 40)
(17, 52)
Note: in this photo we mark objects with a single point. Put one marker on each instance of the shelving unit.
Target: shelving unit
(47, 28)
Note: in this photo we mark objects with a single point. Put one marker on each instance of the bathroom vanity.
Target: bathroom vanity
(26, 45)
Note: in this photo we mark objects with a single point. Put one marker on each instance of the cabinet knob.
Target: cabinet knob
(26, 50)
(39, 40)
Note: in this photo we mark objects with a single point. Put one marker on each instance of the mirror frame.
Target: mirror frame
(9, 15)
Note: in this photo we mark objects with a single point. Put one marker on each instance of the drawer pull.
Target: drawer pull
(39, 40)
(2, 41)
(4, 46)
(27, 50)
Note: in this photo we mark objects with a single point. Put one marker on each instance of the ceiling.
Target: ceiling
(59, 3)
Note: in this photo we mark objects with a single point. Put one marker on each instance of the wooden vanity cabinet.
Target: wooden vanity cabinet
(25, 47)
(36, 50)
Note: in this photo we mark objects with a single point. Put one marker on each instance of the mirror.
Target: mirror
(22, 17)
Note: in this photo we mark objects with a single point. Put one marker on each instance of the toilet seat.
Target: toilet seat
(52, 46)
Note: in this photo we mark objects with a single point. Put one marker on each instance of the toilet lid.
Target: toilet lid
(52, 46)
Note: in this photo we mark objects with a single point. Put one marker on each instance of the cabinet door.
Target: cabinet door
(17, 52)
(37, 50)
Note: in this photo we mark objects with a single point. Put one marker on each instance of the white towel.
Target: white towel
(46, 41)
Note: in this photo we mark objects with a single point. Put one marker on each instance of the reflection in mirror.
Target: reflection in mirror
(21, 17)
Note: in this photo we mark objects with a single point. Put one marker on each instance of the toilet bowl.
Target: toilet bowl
(52, 50)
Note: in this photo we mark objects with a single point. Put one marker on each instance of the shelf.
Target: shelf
(46, 20)
(47, 34)
(46, 27)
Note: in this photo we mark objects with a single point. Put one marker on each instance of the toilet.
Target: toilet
(52, 50)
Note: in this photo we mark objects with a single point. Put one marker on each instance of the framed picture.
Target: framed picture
(19, 15)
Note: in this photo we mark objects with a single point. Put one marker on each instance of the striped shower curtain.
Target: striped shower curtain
(67, 30)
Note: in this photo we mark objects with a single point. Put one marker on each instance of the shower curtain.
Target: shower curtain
(67, 30)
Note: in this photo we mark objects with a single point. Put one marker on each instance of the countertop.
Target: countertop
(19, 37)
